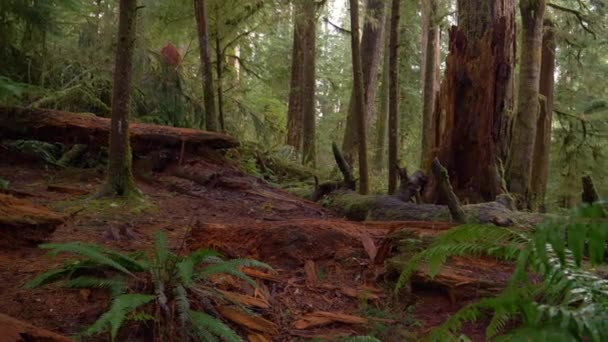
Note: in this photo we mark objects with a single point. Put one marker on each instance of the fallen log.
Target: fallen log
(86, 128)
(14, 330)
(358, 207)
(23, 221)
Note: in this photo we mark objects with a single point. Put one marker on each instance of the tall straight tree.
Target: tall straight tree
(519, 169)
(308, 47)
(542, 144)
(206, 67)
(476, 99)
(294, 109)
(429, 78)
(382, 117)
(120, 177)
(393, 91)
(371, 55)
(359, 96)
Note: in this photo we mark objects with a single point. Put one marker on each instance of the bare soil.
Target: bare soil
(321, 260)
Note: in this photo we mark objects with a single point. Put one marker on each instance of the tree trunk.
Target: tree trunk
(430, 79)
(308, 84)
(220, 95)
(359, 96)
(393, 93)
(475, 100)
(382, 117)
(371, 47)
(519, 168)
(542, 145)
(294, 110)
(206, 67)
(120, 177)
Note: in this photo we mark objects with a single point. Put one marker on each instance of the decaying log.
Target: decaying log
(23, 221)
(88, 129)
(14, 330)
(389, 208)
(446, 191)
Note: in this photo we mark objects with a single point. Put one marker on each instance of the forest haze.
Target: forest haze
(402, 169)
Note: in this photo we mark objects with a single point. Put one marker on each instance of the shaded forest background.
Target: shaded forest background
(60, 54)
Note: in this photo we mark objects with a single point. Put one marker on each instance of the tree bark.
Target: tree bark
(519, 169)
(220, 92)
(120, 177)
(371, 47)
(359, 96)
(393, 91)
(206, 67)
(430, 79)
(382, 117)
(476, 99)
(308, 84)
(294, 110)
(542, 145)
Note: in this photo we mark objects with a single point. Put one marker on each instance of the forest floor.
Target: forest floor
(321, 260)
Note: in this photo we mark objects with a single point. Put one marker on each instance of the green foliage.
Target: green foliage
(170, 280)
(567, 300)
(4, 184)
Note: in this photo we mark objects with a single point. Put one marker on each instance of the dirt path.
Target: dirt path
(323, 264)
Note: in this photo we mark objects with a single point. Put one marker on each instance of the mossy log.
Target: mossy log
(85, 128)
(389, 208)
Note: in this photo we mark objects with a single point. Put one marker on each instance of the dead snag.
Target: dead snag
(348, 183)
(590, 194)
(410, 187)
(446, 191)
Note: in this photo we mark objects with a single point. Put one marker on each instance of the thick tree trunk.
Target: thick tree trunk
(476, 98)
(519, 169)
(371, 48)
(542, 144)
(120, 177)
(393, 91)
(294, 110)
(430, 79)
(206, 67)
(308, 41)
(382, 117)
(359, 96)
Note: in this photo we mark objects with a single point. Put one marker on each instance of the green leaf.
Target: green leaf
(113, 318)
(47, 277)
(598, 234)
(203, 322)
(577, 234)
(93, 252)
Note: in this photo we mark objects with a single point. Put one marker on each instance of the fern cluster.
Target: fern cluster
(564, 300)
(170, 281)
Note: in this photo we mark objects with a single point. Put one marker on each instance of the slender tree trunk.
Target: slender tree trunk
(359, 96)
(430, 80)
(381, 122)
(294, 110)
(371, 47)
(519, 168)
(542, 145)
(206, 67)
(218, 66)
(393, 91)
(308, 84)
(476, 100)
(120, 177)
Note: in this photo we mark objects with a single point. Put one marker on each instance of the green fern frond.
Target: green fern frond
(204, 323)
(182, 305)
(360, 339)
(47, 277)
(93, 252)
(185, 268)
(161, 251)
(116, 285)
(113, 318)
